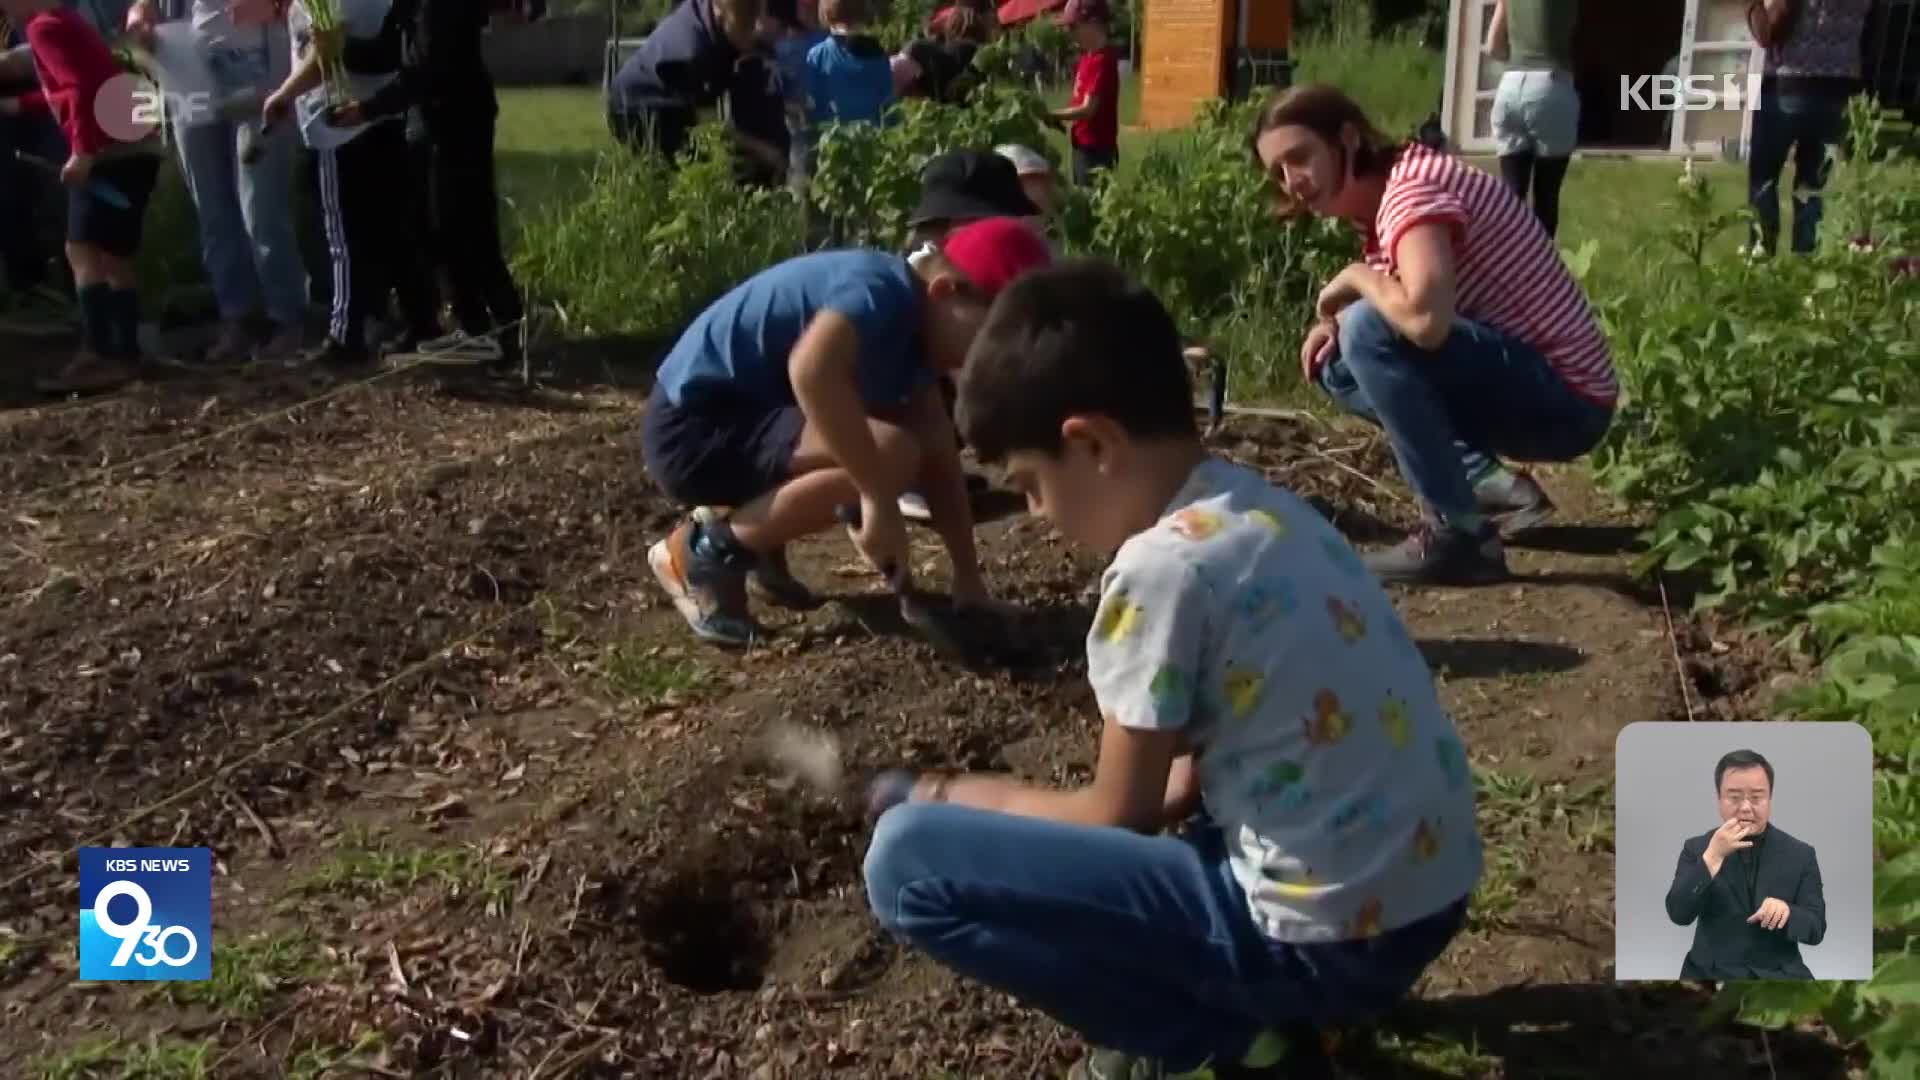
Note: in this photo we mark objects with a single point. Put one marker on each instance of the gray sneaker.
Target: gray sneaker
(1439, 555)
(1514, 500)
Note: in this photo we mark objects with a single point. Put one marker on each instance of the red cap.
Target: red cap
(993, 251)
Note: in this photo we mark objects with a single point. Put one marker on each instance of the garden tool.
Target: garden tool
(99, 189)
(813, 757)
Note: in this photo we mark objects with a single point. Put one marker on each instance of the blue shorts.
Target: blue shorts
(720, 451)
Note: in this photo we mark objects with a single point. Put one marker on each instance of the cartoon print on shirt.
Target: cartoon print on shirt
(1195, 524)
(1426, 841)
(1329, 723)
(1243, 686)
(1346, 620)
(1280, 785)
(1169, 690)
(1359, 817)
(1260, 603)
(1119, 617)
(1396, 721)
(1453, 761)
(1366, 922)
(1270, 521)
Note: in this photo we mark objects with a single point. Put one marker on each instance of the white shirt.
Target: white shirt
(1322, 752)
(363, 19)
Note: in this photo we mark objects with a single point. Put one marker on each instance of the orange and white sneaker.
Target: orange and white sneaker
(708, 587)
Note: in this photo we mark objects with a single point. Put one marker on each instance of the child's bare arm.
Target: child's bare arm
(1129, 788)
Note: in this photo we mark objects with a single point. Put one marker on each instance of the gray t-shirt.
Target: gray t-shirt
(1320, 745)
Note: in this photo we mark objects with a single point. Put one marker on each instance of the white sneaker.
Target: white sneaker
(458, 349)
(913, 507)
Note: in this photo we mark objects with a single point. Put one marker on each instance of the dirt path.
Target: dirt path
(479, 807)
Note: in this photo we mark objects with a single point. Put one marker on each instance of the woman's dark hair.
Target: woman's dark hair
(1328, 112)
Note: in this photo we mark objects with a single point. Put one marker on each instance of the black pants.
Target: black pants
(25, 244)
(1088, 162)
(466, 216)
(1541, 177)
(371, 233)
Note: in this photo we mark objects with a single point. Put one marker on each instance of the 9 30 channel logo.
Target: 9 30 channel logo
(146, 914)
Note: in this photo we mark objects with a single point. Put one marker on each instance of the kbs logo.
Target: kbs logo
(1695, 93)
(146, 914)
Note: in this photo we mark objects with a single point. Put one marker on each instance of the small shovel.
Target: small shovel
(813, 758)
(913, 607)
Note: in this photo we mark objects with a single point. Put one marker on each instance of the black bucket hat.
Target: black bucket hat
(968, 185)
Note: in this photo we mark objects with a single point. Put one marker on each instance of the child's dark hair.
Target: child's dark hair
(1080, 337)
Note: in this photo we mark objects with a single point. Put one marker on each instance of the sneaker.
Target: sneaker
(773, 582)
(232, 348)
(1438, 555)
(710, 593)
(769, 579)
(913, 507)
(1514, 500)
(89, 373)
(334, 354)
(287, 344)
(458, 349)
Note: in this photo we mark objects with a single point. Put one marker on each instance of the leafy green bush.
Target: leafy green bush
(867, 177)
(1771, 409)
(646, 247)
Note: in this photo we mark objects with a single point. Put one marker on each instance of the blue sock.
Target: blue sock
(96, 318)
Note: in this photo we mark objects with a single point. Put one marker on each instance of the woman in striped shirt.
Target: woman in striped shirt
(1462, 333)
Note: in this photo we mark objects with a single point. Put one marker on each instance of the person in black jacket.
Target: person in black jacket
(436, 46)
(1752, 891)
(702, 52)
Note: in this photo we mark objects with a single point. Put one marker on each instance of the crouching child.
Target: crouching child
(811, 387)
(1259, 694)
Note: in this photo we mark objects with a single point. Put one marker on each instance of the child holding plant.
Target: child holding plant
(809, 387)
(435, 47)
(112, 164)
(1259, 695)
(371, 235)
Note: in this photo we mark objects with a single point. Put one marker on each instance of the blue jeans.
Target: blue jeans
(248, 241)
(1807, 125)
(24, 244)
(1141, 943)
(1452, 413)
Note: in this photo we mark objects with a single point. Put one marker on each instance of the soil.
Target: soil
(393, 653)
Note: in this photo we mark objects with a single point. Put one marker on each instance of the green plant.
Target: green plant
(647, 245)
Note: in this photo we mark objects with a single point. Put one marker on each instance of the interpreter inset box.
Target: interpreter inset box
(1743, 851)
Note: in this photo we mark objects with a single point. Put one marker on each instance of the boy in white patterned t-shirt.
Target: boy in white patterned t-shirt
(1247, 667)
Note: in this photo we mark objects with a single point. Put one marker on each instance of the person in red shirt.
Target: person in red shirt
(1462, 333)
(111, 167)
(1095, 112)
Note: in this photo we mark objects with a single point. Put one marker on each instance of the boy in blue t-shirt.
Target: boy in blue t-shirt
(809, 387)
(850, 75)
(1256, 685)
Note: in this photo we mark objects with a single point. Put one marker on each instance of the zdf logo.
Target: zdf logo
(140, 930)
(130, 107)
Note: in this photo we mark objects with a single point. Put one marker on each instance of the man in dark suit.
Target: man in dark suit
(1754, 889)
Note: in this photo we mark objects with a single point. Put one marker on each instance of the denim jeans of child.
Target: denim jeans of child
(248, 241)
(1140, 943)
(1805, 126)
(1451, 413)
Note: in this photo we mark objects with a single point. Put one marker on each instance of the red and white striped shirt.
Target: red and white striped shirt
(1509, 275)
